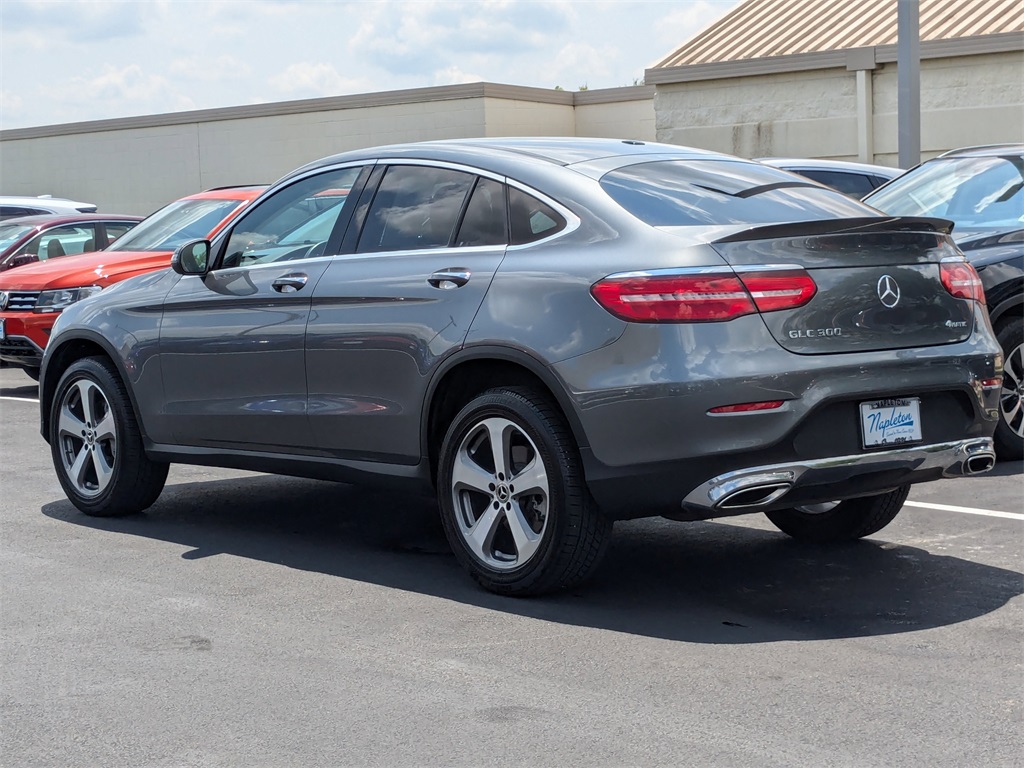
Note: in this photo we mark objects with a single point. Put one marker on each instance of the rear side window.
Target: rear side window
(485, 222)
(677, 193)
(415, 207)
(852, 184)
(531, 219)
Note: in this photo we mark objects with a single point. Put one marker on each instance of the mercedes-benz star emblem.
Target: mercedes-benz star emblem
(888, 291)
(4, 298)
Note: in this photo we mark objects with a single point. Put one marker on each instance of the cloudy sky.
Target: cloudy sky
(63, 61)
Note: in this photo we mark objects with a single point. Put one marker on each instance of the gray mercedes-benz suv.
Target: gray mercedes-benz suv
(550, 334)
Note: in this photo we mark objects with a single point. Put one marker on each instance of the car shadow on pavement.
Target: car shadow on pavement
(695, 582)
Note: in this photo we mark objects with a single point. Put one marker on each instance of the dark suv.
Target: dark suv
(981, 189)
(549, 334)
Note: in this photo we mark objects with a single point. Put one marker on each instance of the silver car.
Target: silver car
(549, 335)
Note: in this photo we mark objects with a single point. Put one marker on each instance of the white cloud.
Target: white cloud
(306, 79)
(130, 89)
(223, 67)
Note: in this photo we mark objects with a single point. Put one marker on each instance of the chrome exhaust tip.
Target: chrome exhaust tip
(751, 491)
(978, 463)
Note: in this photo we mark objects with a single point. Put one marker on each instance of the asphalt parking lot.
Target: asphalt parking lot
(251, 620)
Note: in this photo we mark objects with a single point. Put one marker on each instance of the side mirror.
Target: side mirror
(21, 259)
(192, 258)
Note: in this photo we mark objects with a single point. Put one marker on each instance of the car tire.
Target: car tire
(1009, 436)
(96, 444)
(545, 536)
(843, 521)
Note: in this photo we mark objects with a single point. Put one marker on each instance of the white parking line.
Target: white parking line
(965, 510)
(20, 399)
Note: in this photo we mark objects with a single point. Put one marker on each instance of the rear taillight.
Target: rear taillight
(961, 280)
(701, 297)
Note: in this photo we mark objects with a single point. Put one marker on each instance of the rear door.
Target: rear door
(426, 244)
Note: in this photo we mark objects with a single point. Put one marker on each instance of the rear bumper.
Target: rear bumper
(805, 482)
(705, 489)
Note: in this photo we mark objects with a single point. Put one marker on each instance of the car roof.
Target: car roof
(497, 152)
(986, 150)
(247, 192)
(40, 200)
(786, 163)
(56, 219)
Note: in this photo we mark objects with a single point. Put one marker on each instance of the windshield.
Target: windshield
(175, 224)
(11, 234)
(701, 192)
(974, 192)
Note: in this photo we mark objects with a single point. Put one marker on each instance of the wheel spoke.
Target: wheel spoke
(103, 469)
(532, 478)
(85, 390)
(499, 432)
(69, 424)
(468, 474)
(1012, 367)
(481, 535)
(522, 534)
(77, 470)
(105, 429)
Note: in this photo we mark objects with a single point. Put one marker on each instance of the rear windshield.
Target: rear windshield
(175, 224)
(681, 193)
(975, 192)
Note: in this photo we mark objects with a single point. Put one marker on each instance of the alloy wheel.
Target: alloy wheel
(1011, 399)
(87, 438)
(500, 492)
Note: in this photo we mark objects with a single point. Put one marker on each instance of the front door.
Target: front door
(232, 342)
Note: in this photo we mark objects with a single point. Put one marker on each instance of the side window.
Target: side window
(852, 184)
(415, 207)
(295, 223)
(530, 218)
(114, 231)
(13, 211)
(64, 241)
(486, 220)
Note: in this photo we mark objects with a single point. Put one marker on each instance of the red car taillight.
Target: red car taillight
(701, 297)
(961, 280)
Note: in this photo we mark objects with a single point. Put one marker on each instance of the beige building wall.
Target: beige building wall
(135, 165)
(799, 114)
(812, 105)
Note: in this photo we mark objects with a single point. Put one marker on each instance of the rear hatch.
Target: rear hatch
(879, 284)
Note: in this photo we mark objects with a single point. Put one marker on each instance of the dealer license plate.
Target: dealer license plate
(3, 333)
(891, 422)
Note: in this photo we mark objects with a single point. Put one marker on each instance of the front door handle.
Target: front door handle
(453, 277)
(290, 283)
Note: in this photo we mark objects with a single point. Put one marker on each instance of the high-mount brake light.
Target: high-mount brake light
(961, 280)
(701, 297)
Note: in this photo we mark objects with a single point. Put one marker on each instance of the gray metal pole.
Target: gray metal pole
(908, 81)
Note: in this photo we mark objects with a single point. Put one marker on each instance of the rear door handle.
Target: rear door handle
(290, 283)
(453, 277)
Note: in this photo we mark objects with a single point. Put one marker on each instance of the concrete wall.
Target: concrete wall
(798, 114)
(972, 92)
(135, 165)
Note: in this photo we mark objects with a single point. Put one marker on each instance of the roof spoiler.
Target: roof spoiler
(841, 226)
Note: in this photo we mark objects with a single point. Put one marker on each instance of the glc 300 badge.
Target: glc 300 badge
(4, 298)
(888, 291)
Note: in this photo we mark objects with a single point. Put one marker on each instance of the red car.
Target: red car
(29, 239)
(32, 296)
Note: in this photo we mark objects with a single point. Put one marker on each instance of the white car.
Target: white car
(12, 207)
(852, 179)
